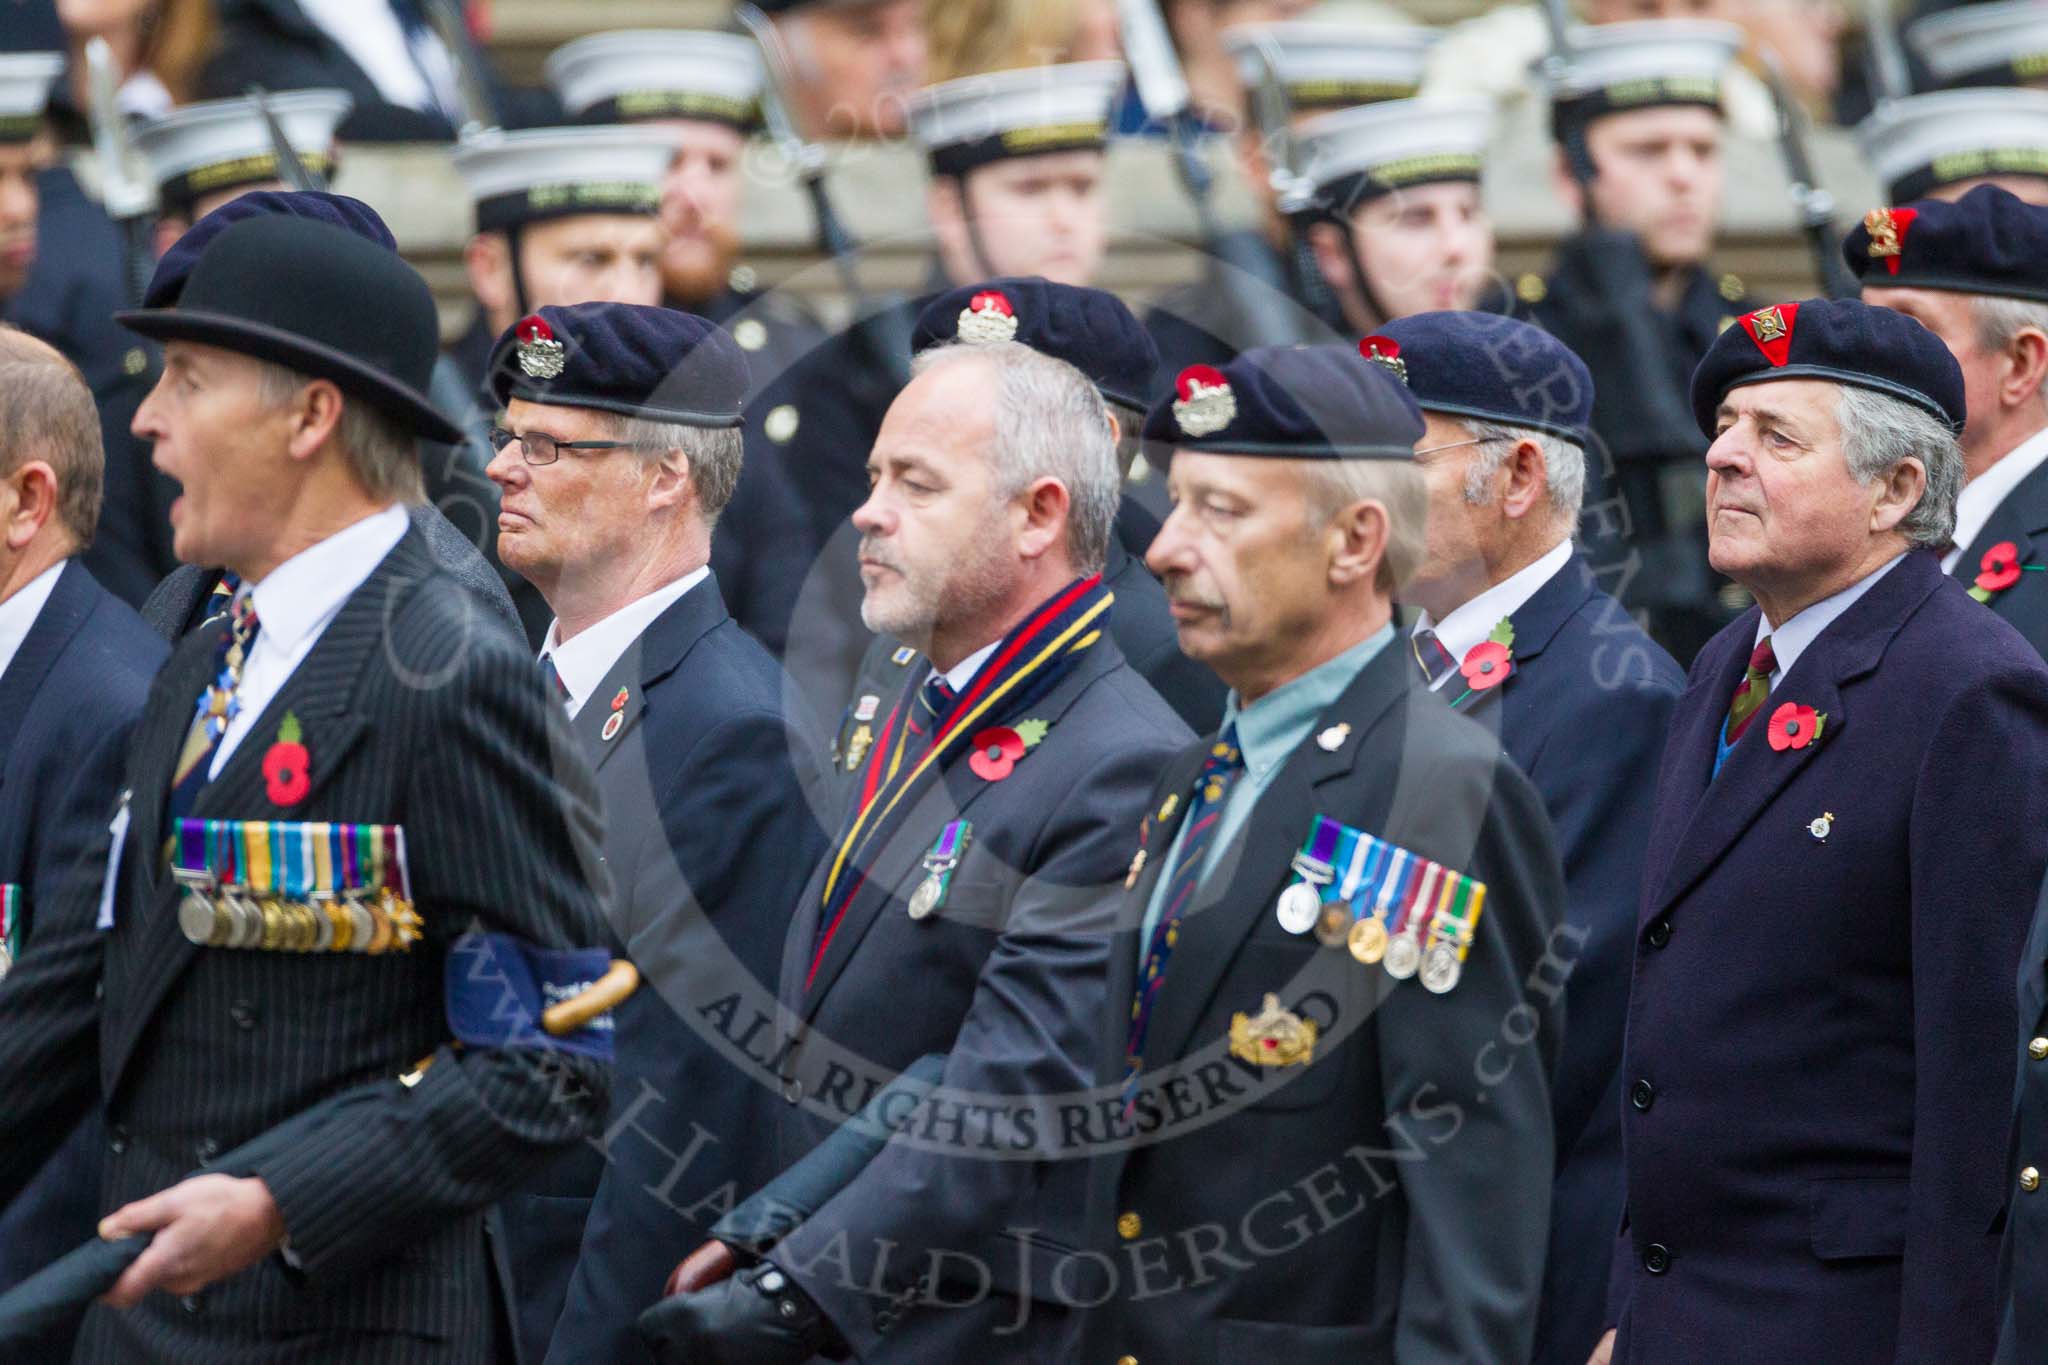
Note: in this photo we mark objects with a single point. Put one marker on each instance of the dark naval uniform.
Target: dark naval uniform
(68, 703)
(765, 541)
(1645, 517)
(73, 291)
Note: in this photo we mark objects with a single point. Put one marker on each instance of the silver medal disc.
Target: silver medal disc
(926, 898)
(195, 917)
(1404, 956)
(1298, 908)
(1440, 968)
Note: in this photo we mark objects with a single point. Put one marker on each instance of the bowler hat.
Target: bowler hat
(320, 300)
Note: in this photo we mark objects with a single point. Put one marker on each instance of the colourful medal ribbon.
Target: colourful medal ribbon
(321, 837)
(396, 835)
(1421, 891)
(1401, 869)
(255, 838)
(1319, 853)
(1461, 919)
(10, 919)
(940, 862)
(192, 850)
(1358, 855)
(345, 848)
(370, 857)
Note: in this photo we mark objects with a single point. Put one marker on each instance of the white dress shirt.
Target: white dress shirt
(583, 662)
(962, 673)
(295, 603)
(1982, 495)
(19, 612)
(1468, 625)
(370, 33)
(1790, 640)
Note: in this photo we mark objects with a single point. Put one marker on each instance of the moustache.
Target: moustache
(1183, 596)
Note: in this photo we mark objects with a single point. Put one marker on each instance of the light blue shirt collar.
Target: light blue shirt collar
(1271, 728)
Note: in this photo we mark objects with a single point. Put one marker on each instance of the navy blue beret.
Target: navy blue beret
(1839, 340)
(1492, 369)
(1090, 329)
(1295, 402)
(351, 215)
(656, 363)
(1988, 242)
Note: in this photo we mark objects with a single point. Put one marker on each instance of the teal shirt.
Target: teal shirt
(1268, 731)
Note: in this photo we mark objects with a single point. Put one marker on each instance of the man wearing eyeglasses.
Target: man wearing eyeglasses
(618, 448)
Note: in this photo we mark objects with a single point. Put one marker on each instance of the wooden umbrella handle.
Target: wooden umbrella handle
(606, 993)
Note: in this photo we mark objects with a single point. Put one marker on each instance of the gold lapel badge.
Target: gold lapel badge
(1273, 1037)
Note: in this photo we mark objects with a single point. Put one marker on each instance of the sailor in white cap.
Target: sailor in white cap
(1017, 161)
(1270, 286)
(25, 81)
(701, 90)
(1403, 228)
(563, 215)
(203, 155)
(1944, 144)
(1017, 170)
(2004, 43)
(1638, 118)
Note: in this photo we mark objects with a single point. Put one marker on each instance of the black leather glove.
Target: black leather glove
(757, 1317)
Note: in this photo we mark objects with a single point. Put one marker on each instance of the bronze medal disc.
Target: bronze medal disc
(1369, 939)
(1333, 924)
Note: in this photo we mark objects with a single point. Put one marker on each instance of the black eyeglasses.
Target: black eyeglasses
(540, 448)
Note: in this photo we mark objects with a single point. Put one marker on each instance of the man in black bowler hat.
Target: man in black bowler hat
(350, 681)
(190, 593)
(614, 468)
(1816, 1066)
(1305, 1152)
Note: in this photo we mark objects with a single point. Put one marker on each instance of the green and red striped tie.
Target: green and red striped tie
(1753, 691)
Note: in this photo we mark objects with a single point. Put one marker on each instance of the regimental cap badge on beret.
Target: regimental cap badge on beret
(1887, 229)
(1205, 405)
(540, 355)
(1771, 330)
(1385, 352)
(988, 318)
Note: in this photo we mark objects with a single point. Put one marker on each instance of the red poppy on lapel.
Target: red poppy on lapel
(2000, 567)
(996, 751)
(1487, 664)
(286, 765)
(1794, 726)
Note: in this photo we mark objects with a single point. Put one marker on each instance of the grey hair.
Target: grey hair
(1331, 486)
(1999, 320)
(1050, 424)
(714, 455)
(384, 455)
(1879, 433)
(1564, 465)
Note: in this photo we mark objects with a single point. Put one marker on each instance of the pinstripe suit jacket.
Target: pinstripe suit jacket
(418, 708)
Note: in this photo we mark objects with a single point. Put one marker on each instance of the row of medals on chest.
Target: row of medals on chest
(367, 921)
(1336, 923)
